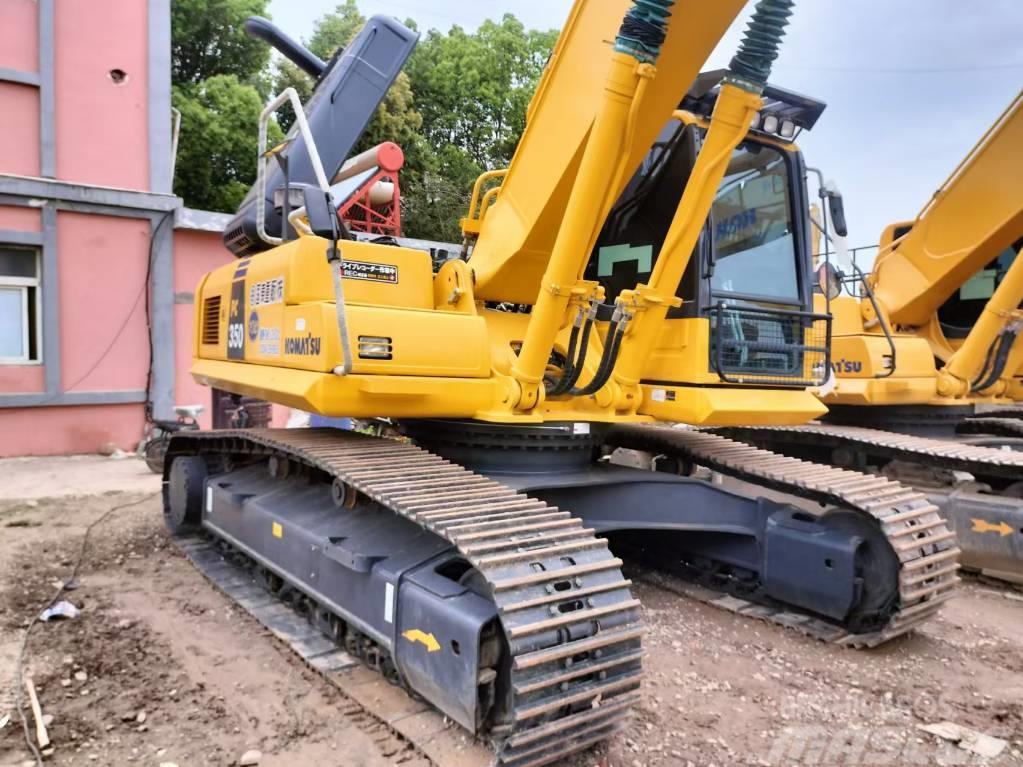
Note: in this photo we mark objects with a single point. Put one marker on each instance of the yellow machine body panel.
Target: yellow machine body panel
(287, 313)
(445, 361)
(861, 361)
(734, 406)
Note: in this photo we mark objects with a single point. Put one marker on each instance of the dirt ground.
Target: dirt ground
(160, 668)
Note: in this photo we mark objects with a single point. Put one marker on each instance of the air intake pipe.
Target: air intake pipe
(295, 52)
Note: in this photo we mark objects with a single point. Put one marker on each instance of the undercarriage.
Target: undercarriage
(471, 572)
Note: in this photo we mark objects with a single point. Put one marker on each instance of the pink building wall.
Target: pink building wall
(81, 101)
(100, 137)
(19, 35)
(102, 268)
(69, 430)
(19, 127)
(101, 124)
(92, 249)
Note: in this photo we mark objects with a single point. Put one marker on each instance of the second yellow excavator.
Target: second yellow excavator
(928, 370)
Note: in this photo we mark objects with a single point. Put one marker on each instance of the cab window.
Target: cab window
(754, 247)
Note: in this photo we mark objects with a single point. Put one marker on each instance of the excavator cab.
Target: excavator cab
(746, 313)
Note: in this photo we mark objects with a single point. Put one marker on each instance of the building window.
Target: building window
(19, 305)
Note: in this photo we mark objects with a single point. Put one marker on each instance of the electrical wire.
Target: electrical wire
(22, 651)
(142, 293)
(904, 70)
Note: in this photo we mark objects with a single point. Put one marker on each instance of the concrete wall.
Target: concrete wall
(79, 85)
(101, 274)
(19, 35)
(103, 333)
(19, 149)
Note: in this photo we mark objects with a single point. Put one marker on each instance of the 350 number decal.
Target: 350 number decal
(235, 336)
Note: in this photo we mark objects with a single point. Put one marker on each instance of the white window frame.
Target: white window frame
(24, 283)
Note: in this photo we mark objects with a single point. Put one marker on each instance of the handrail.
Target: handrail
(291, 96)
(336, 263)
(488, 200)
(478, 187)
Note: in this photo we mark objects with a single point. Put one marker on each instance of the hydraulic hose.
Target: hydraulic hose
(1001, 357)
(636, 49)
(557, 387)
(607, 361)
(986, 367)
(570, 377)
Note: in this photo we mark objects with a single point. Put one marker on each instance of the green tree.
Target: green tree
(217, 147)
(219, 82)
(208, 38)
(435, 195)
(458, 108)
(473, 88)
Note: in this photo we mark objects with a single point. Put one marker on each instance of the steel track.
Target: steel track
(914, 526)
(978, 460)
(569, 690)
(1000, 423)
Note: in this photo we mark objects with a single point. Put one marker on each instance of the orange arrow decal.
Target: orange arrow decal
(415, 635)
(983, 526)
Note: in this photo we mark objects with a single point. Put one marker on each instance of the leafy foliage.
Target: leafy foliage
(207, 39)
(217, 145)
(458, 109)
(220, 82)
(473, 88)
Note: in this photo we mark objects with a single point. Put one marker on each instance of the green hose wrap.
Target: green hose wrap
(759, 47)
(642, 30)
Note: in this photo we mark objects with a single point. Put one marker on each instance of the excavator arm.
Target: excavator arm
(975, 215)
(642, 86)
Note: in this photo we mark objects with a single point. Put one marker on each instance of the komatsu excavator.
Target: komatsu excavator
(928, 370)
(465, 560)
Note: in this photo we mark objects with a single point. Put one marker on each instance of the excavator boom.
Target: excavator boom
(516, 236)
(975, 215)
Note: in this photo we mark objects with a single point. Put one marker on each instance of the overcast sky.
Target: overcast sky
(910, 85)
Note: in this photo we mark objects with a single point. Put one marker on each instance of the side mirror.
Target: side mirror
(829, 280)
(837, 210)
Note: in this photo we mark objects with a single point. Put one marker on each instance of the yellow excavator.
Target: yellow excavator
(928, 371)
(474, 560)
